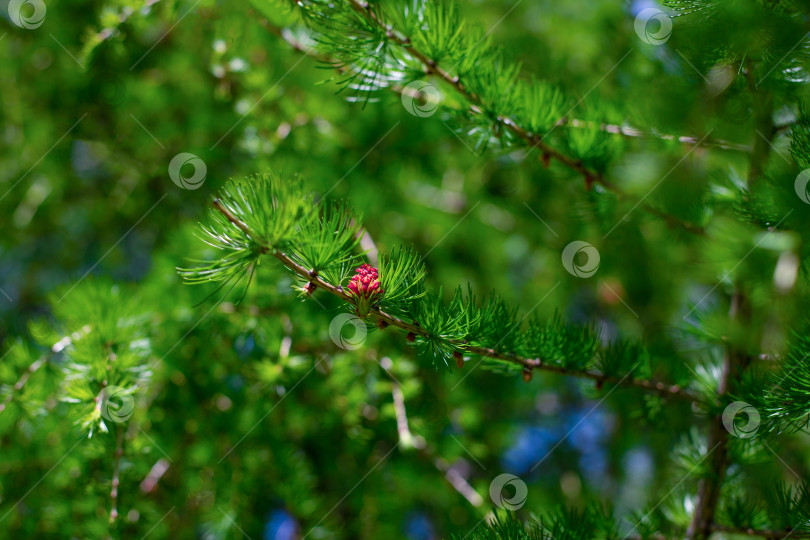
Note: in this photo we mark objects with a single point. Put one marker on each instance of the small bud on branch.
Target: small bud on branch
(365, 287)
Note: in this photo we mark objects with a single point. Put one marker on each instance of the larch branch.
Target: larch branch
(528, 364)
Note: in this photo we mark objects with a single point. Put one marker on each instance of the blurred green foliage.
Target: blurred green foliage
(247, 417)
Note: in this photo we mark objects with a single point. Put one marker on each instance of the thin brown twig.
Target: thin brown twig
(403, 429)
(459, 483)
(633, 132)
(119, 451)
(718, 438)
(157, 471)
(407, 439)
(528, 364)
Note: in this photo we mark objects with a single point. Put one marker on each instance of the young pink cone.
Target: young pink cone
(365, 287)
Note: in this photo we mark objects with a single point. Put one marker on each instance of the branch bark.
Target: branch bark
(528, 364)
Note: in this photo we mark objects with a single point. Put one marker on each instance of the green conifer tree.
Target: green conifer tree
(576, 308)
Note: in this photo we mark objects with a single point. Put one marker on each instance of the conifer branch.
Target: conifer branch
(615, 129)
(709, 487)
(433, 68)
(734, 361)
(625, 131)
(414, 329)
(533, 140)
